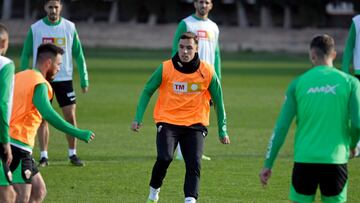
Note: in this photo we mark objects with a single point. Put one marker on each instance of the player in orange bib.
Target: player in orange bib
(32, 94)
(182, 113)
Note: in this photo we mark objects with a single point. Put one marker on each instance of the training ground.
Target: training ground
(119, 162)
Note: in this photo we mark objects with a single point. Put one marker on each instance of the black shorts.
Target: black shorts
(23, 166)
(64, 92)
(357, 76)
(331, 178)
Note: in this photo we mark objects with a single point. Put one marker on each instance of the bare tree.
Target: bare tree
(241, 14)
(27, 10)
(114, 12)
(287, 17)
(265, 16)
(65, 10)
(6, 12)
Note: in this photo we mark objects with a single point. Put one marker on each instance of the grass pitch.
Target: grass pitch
(119, 162)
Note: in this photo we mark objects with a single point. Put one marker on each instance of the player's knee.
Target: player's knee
(166, 157)
(164, 160)
(44, 124)
(25, 197)
(69, 114)
(39, 193)
(193, 165)
(70, 118)
(12, 196)
(42, 194)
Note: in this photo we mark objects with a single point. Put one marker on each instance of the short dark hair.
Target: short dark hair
(323, 44)
(47, 1)
(190, 35)
(198, 0)
(48, 50)
(3, 30)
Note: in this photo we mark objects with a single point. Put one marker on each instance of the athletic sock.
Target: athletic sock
(44, 154)
(72, 152)
(154, 194)
(190, 200)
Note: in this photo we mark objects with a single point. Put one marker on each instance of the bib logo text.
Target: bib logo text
(328, 89)
(61, 41)
(184, 87)
(205, 35)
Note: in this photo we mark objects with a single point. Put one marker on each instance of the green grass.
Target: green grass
(119, 162)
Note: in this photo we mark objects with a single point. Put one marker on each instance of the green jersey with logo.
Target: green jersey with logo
(325, 102)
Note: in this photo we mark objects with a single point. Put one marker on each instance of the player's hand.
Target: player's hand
(8, 153)
(265, 175)
(135, 126)
(91, 137)
(85, 89)
(87, 137)
(225, 140)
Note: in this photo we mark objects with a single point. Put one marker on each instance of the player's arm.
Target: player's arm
(6, 86)
(282, 126)
(43, 105)
(354, 113)
(151, 86)
(27, 51)
(277, 139)
(217, 64)
(79, 57)
(349, 49)
(179, 31)
(217, 96)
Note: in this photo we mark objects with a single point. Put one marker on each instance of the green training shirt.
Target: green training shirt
(325, 102)
(7, 69)
(154, 83)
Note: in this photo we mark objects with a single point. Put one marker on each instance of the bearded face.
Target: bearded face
(54, 68)
(203, 7)
(53, 10)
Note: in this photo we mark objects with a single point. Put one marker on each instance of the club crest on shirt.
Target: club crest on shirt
(185, 87)
(27, 174)
(9, 176)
